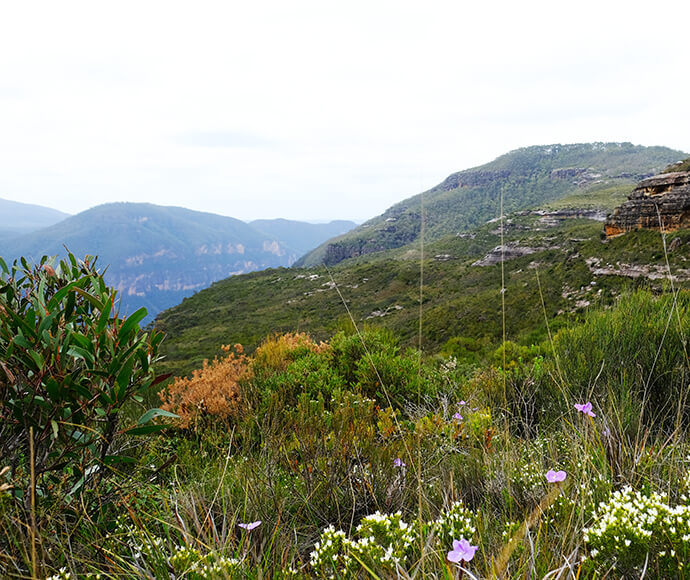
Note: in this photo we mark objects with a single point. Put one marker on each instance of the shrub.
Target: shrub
(68, 366)
(390, 378)
(635, 351)
(633, 531)
(212, 392)
(348, 349)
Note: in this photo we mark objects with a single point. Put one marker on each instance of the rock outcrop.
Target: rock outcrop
(661, 203)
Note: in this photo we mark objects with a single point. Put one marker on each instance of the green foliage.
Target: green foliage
(634, 354)
(68, 366)
(348, 350)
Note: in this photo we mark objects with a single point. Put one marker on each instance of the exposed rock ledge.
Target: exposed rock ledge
(661, 203)
(510, 251)
(649, 271)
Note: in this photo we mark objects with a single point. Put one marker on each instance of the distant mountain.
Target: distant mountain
(19, 218)
(299, 236)
(156, 256)
(467, 199)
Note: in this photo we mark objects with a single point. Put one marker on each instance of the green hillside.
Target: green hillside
(526, 177)
(563, 249)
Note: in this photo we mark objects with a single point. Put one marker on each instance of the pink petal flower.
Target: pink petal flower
(462, 550)
(249, 527)
(585, 408)
(555, 476)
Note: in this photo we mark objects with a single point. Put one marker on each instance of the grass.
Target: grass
(313, 452)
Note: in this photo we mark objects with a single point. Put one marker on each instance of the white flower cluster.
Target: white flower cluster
(632, 530)
(456, 522)
(183, 561)
(384, 541)
(330, 557)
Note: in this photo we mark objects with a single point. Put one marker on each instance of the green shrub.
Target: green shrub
(348, 349)
(68, 366)
(635, 353)
(390, 378)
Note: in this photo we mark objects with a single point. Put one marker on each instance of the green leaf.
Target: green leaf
(153, 413)
(52, 388)
(78, 352)
(146, 430)
(131, 322)
(20, 341)
(105, 316)
(37, 357)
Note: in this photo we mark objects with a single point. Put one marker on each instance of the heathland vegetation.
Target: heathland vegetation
(430, 412)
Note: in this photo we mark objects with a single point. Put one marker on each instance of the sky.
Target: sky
(319, 110)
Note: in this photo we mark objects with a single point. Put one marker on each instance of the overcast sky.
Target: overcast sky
(319, 110)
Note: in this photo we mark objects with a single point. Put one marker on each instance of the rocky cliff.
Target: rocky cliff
(661, 202)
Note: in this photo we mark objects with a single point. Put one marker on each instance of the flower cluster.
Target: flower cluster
(633, 530)
(197, 566)
(150, 551)
(384, 542)
(456, 522)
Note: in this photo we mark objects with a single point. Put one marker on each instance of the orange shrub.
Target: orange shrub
(277, 352)
(213, 391)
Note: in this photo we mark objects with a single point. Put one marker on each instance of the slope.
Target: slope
(526, 177)
(19, 218)
(556, 266)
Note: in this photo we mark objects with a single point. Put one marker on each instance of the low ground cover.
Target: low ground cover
(356, 456)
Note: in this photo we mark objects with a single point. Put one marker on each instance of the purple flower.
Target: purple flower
(457, 416)
(555, 476)
(585, 408)
(462, 403)
(251, 526)
(399, 462)
(462, 550)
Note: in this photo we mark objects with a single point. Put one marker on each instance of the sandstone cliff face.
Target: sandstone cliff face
(661, 203)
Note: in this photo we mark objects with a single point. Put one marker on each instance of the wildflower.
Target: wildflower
(585, 408)
(249, 527)
(462, 550)
(462, 403)
(399, 462)
(555, 476)
(457, 416)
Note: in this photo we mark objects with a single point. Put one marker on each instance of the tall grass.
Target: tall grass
(354, 458)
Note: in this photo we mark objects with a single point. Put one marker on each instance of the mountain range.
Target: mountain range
(156, 256)
(20, 218)
(520, 179)
(550, 240)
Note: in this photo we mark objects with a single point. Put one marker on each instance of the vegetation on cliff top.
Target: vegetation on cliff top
(524, 178)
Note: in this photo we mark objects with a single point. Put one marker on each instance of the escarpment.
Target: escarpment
(661, 203)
